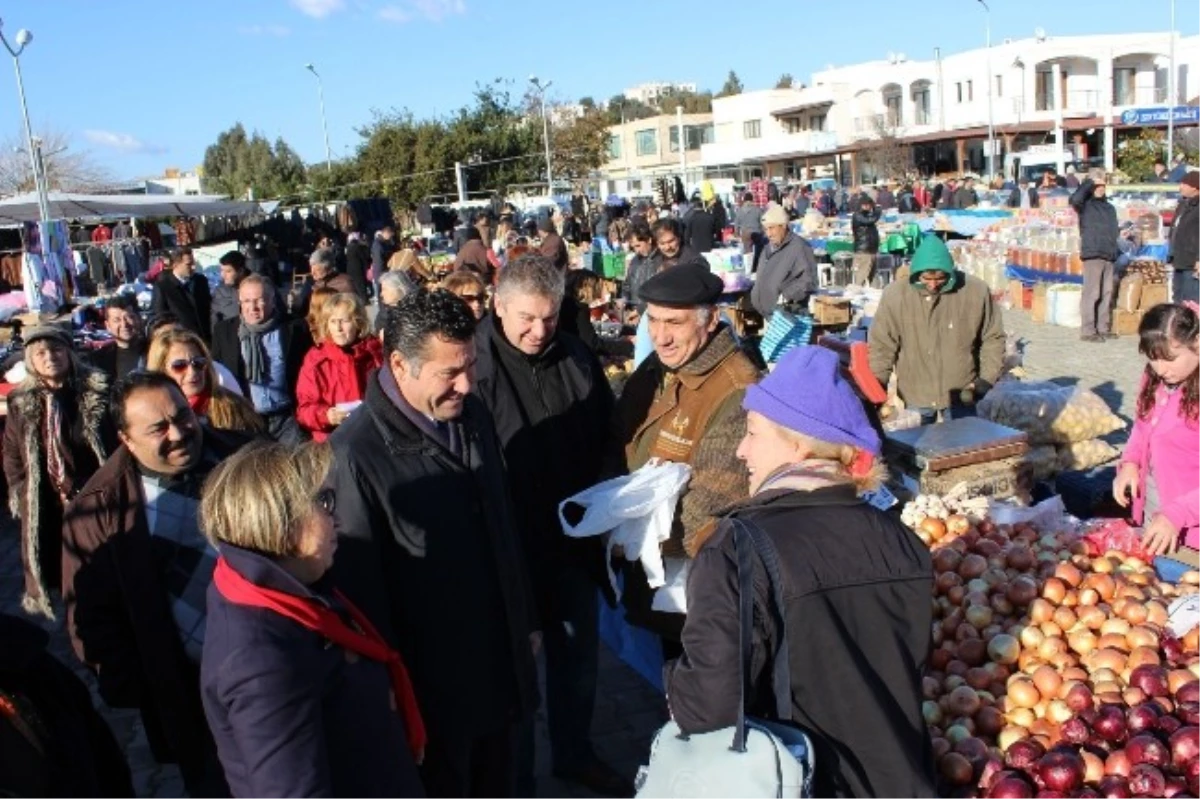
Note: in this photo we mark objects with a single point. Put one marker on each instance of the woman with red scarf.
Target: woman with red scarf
(183, 356)
(304, 697)
(333, 378)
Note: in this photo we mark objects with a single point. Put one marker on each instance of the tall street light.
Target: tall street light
(991, 90)
(541, 88)
(1171, 100)
(24, 37)
(324, 126)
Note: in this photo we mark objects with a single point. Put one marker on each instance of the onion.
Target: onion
(1047, 681)
(1010, 735)
(972, 566)
(1093, 767)
(989, 722)
(1135, 613)
(1078, 697)
(1146, 748)
(1022, 717)
(946, 560)
(933, 527)
(1011, 786)
(957, 524)
(1142, 636)
(1022, 591)
(1061, 771)
(1187, 692)
(1146, 780)
(1118, 763)
(1110, 723)
(1185, 744)
(1054, 590)
(1114, 786)
(1113, 641)
(1023, 754)
(1004, 649)
(1082, 641)
(972, 651)
(1106, 659)
(1069, 574)
(1151, 679)
(964, 701)
(1114, 625)
(955, 769)
(1023, 693)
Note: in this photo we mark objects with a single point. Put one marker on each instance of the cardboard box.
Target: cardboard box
(1153, 294)
(1126, 323)
(1038, 311)
(831, 311)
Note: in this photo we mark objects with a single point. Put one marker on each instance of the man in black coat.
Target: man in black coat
(128, 350)
(265, 352)
(1185, 252)
(180, 292)
(551, 404)
(358, 264)
(1098, 247)
(1030, 199)
(700, 227)
(429, 548)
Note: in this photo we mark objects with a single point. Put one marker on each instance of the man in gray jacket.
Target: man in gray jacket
(788, 268)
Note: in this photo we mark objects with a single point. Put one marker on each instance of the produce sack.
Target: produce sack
(1129, 295)
(1083, 455)
(1116, 534)
(1043, 461)
(1049, 413)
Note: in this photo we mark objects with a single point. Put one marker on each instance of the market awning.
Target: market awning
(24, 207)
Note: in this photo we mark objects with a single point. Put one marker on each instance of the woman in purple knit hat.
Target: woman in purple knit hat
(855, 581)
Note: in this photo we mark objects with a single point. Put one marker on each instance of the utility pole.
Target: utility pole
(991, 90)
(324, 126)
(541, 89)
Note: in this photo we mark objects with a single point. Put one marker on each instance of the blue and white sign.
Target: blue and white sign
(1184, 114)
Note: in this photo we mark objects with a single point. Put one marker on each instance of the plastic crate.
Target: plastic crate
(614, 266)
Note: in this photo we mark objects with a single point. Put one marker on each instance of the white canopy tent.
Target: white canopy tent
(24, 207)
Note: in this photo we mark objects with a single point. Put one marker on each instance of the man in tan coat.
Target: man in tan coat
(941, 333)
(683, 404)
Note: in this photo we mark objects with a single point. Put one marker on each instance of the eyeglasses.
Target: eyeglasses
(180, 366)
(326, 500)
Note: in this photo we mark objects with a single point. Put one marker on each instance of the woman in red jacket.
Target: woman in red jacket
(334, 376)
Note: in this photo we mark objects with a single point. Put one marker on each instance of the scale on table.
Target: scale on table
(932, 459)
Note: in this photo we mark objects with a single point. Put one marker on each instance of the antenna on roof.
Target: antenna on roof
(1039, 34)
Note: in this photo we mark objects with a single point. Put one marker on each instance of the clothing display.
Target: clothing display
(48, 258)
(102, 233)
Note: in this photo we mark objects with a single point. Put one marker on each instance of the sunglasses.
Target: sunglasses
(326, 500)
(471, 298)
(180, 366)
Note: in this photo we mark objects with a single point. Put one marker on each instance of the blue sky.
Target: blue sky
(145, 85)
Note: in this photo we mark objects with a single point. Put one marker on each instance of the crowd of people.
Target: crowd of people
(321, 552)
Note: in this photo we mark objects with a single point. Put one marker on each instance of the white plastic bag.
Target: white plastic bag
(672, 596)
(637, 510)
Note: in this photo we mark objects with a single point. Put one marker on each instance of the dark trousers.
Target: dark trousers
(284, 428)
(1185, 286)
(571, 643)
(1097, 301)
(462, 767)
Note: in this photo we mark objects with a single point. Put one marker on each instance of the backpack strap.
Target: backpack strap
(748, 538)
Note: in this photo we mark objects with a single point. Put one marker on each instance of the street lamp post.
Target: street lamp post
(324, 125)
(541, 88)
(991, 90)
(1171, 98)
(24, 37)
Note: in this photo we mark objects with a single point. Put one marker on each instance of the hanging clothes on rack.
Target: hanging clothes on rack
(44, 272)
(185, 232)
(102, 233)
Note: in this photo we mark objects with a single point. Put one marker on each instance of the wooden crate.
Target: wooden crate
(1125, 323)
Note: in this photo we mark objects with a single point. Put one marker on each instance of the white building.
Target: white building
(174, 181)
(1106, 86)
(651, 93)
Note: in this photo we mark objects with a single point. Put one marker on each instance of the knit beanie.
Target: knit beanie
(807, 393)
(932, 255)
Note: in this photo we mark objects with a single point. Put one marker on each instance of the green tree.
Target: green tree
(581, 146)
(620, 107)
(691, 102)
(733, 85)
(1135, 156)
(786, 81)
(587, 102)
(238, 164)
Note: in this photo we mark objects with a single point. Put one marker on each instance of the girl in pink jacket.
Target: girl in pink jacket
(1160, 470)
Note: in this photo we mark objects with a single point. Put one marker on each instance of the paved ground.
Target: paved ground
(628, 711)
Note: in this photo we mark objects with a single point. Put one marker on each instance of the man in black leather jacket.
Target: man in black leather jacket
(1098, 233)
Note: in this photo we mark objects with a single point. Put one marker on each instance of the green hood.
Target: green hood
(932, 254)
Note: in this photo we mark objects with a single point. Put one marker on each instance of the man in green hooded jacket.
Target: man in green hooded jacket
(940, 332)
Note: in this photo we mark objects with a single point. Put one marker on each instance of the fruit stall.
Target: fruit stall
(1062, 664)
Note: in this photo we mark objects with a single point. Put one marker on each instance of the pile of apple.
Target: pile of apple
(1037, 649)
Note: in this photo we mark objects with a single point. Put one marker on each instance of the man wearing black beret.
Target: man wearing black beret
(683, 404)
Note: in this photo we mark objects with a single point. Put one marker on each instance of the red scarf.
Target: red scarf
(199, 403)
(317, 617)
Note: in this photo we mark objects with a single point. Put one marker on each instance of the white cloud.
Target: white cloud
(395, 14)
(318, 9)
(121, 141)
(429, 10)
(278, 31)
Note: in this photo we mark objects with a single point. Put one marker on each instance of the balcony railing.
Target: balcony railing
(1080, 100)
(869, 124)
(1140, 95)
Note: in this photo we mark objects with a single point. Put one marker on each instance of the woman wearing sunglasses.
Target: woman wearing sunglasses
(303, 696)
(334, 375)
(469, 287)
(182, 355)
